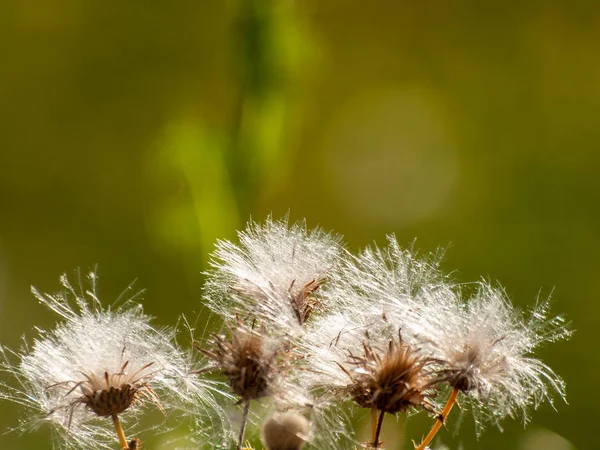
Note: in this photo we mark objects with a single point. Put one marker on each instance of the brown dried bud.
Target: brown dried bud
(135, 444)
(285, 431)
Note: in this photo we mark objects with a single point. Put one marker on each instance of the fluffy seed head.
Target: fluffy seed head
(381, 290)
(374, 370)
(285, 431)
(96, 363)
(485, 349)
(273, 273)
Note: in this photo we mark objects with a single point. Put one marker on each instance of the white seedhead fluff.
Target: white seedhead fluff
(390, 284)
(273, 273)
(482, 348)
(99, 364)
(380, 291)
(485, 349)
(369, 363)
(365, 348)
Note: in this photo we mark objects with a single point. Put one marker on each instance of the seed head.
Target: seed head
(248, 359)
(97, 363)
(273, 273)
(485, 349)
(360, 358)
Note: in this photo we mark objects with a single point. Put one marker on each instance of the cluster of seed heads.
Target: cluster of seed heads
(308, 327)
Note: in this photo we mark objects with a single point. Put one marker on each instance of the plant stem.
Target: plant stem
(373, 423)
(378, 431)
(120, 432)
(243, 425)
(440, 420)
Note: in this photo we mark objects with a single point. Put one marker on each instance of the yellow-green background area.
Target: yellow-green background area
(133, 134)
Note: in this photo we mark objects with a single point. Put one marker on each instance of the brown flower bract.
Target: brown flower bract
(392, 382)
(246, 361)
(304, 300)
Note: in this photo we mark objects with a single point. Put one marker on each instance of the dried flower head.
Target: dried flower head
(256, 363)
(380, 291)
(99, 363)
(392, 380)
(285, 431)
(485, 350)
(274, 272)
(383, 290)
(361, 358)
(248, 359)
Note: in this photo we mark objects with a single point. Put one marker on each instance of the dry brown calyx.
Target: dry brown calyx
(246, 359)
(249, 360)
(390, 382)
(112, 393)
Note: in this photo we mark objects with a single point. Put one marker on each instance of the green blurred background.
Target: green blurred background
(133, 134)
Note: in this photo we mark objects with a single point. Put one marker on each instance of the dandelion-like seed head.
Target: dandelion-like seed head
(361, 358)
(273, 273)
(99, 362)
(257, 363)
(485, 348)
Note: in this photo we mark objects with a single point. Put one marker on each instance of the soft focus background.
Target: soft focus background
(134, 134)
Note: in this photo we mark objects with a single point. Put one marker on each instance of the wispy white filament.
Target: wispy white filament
(483, 338)
(272, 264)
(491, 345)
(94, 349)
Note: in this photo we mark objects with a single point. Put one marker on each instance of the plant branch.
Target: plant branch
(440, 420)
(120, 432)
(378, 431)
(243, 425)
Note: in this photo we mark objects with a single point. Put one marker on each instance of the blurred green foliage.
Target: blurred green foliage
(132, 135)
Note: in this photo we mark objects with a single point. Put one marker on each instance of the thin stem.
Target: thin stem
(243, 425)
(440, 419)
(378, 431)
(373, 423)
(120, 432)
